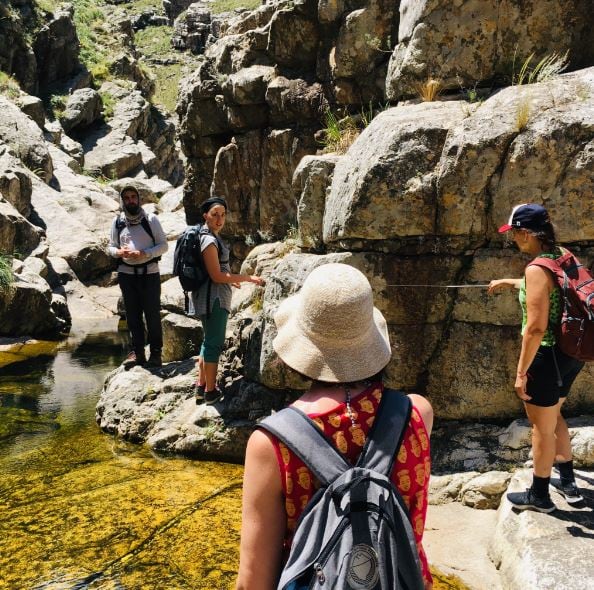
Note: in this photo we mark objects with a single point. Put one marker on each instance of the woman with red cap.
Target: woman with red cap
(544, 373)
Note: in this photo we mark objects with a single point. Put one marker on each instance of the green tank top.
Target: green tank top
(554, 307)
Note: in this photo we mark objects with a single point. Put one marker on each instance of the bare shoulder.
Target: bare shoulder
(424, 408)
(537, 276)
(260, 446)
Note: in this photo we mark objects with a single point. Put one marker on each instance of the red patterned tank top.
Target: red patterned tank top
(410, 474)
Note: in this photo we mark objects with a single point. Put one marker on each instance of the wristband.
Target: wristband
(521, 374)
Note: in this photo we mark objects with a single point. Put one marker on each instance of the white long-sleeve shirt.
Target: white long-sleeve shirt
(135, 237)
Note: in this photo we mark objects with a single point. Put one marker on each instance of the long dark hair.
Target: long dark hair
(546, 236)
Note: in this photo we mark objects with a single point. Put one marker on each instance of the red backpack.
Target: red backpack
(575, 332)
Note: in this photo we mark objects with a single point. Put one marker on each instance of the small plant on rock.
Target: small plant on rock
(339, 133)
(9, 87)
(6, 275)
(429, 90)
(531, 71)
(522, 114)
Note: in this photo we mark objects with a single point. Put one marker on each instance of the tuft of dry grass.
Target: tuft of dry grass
(547, 68)
(522, 114)
(429, 90)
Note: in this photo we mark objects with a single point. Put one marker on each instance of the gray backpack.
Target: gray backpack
(355, 533)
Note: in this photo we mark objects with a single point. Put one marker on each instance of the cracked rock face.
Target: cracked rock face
(462, 43)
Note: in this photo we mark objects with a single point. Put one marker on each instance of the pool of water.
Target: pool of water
(80, 509)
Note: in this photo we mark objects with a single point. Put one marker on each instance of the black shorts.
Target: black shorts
(551, 376)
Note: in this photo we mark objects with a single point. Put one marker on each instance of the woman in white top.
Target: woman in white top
(212, 302)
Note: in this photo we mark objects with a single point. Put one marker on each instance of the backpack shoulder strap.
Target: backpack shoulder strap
(292, 427)
(146, 226)
(386, 434)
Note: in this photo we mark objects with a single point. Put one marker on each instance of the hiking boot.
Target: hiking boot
(198, 393)
(569, 490)
(212, 397)
(528, 500)
(154, 360)
(132, 360)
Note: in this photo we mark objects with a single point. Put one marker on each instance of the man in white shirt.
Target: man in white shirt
(138, 240)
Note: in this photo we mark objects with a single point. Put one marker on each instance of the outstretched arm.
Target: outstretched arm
(263, 517)
(503, 285)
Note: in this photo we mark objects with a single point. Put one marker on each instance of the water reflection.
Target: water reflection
(79, 509)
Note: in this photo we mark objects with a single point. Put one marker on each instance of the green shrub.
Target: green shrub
(339, 132)
(108, 104)
(9, 86)
(6, 274)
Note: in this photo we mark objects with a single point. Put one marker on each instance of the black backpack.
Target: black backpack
(120, 224)
(355, 532)
(188, 264)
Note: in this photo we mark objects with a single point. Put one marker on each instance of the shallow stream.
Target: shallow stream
(82, 510)
(79, 509)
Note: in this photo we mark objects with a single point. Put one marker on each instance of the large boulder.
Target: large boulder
(76, 222)
(311, 180)
(25, 139)
(82, 108)
(391, 168)
(192, 29)
(465, 43)
(138, 139)
(17, 235)
(16, 56)
(56, 48)
(182, 337)
(47, 314)
(15, 184)
(522, 543)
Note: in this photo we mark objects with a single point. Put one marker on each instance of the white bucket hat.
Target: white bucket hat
(330, 330)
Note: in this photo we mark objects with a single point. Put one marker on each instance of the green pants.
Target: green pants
(214, 326)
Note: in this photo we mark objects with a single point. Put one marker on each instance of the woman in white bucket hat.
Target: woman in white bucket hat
(330, 332)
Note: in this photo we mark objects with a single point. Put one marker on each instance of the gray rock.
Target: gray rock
(33, 107)
(74, 150)
(138, 138)
(172, 200)
(82, 109)
(295, 101)
(390, 167)
(56, 48)
(469, 42)
(45, 316)
(17, 235)
(192, 29)
(523, 545)
(485, 491)
(159, 408)
(248, 85)
(15, 184)
(182, 337)
(24, 138)
(173, 8)
(127, 67)
(16, 56)
(293, 39)
(311, 180)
